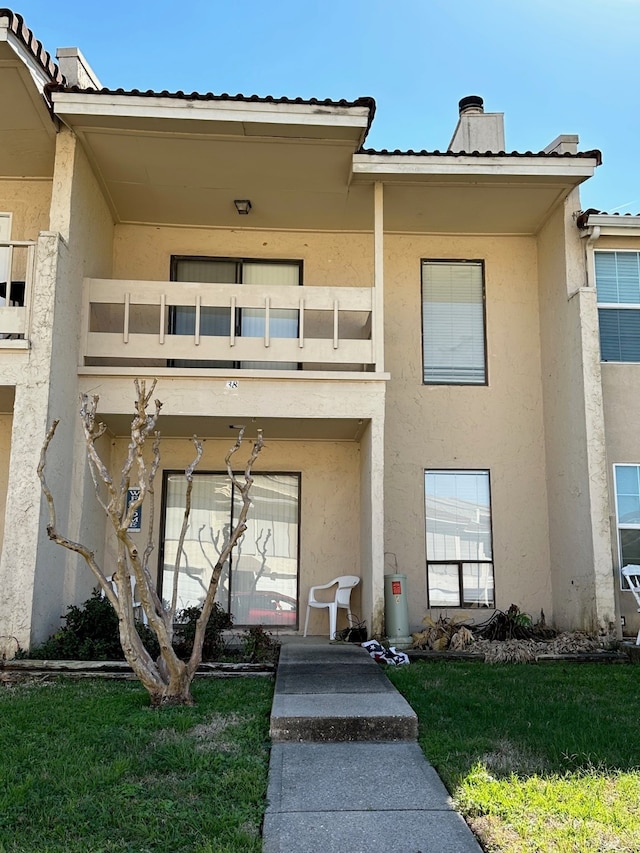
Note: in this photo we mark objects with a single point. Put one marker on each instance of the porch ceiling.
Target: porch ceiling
(298, 429)
(162, 162)
(165, 179)
(168, 161)
(7, 397)
(27, 130)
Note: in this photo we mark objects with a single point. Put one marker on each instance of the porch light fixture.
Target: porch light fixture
(243, 205)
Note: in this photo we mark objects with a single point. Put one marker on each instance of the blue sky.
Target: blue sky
(552, 66)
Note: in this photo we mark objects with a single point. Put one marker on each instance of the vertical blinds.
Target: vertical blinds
(453, 322)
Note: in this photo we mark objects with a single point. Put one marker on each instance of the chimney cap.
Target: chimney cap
(471, 102)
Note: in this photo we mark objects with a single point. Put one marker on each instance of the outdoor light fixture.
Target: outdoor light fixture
(243, 205)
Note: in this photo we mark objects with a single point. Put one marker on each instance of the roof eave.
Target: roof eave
(609, 224)
(570, 168)
(73, 105)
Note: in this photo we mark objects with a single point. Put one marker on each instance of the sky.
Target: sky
(551, 66)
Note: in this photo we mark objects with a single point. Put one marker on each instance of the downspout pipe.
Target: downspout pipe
(590, 235)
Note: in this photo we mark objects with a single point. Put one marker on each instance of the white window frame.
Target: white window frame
(617, 306)
(481, 375)
(619, 527)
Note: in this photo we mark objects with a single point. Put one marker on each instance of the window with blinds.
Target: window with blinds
(618, 289)
(453, 323)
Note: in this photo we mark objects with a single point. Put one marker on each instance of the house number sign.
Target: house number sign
(136, 521)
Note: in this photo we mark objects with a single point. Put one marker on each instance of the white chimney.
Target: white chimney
(76, 69)
(477, 130)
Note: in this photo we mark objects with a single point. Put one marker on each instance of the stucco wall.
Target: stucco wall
(622, 430)
(372, 524)
(574, 430)
(28, 202)
(330, 259)
(329, 504)
(27, 371)
(80, 214)
(498, 427)
(5, 450)
(36, 573)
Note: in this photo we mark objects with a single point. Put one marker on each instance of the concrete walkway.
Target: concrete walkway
(346, 773)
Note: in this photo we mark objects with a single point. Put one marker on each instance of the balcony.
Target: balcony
(17, 258)
(178, 327)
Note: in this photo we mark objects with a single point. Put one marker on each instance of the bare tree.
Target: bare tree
(167, 678)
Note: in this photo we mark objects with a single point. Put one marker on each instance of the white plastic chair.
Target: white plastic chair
(342, 599)
(632, 574)
(137, 605)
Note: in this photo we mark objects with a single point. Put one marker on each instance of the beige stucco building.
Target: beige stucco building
(416, 333)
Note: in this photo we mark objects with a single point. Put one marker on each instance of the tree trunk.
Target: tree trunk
(167, 679)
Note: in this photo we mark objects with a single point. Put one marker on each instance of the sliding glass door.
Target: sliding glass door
(260, 584)
(248, 322)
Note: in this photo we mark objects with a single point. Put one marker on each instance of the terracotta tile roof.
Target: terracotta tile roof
(582, 220)
(593, 154)
(35, 48)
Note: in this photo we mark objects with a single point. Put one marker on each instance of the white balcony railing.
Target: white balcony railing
(177, 325)
(17, 258)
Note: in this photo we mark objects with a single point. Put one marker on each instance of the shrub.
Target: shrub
(259, 646)
(90, 633)
(214, 644)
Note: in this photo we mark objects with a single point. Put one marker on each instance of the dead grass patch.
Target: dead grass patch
(509, 758)
(208, 735)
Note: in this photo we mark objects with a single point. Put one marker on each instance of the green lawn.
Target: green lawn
(89, 767)
(538, 757)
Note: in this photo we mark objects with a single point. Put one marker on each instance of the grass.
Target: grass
(537, 757)
(89, 767)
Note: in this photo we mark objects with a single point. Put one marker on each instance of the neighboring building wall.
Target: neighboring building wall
(622, 430)
(498, 427)
(579, 532)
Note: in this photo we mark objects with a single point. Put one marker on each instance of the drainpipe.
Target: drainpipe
(590, 235)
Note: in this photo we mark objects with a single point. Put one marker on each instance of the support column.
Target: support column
(372, 522)
(378, 274)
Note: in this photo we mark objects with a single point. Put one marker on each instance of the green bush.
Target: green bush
(259, 646)
(90, 633)
(185, 633)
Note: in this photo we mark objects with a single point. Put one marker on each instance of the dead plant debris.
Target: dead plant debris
(506, 637)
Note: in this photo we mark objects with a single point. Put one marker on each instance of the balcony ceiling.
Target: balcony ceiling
(275, 429)
(27, 130)
(163, 163)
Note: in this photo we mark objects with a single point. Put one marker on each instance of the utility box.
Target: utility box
(396, 611)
